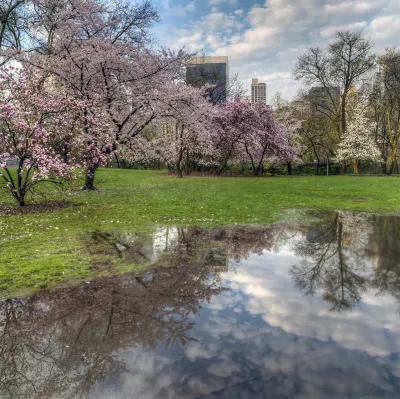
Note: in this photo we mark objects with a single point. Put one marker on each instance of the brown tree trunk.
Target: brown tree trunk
(89, 179)
(178, 166)
(355, 167)
(343, 114)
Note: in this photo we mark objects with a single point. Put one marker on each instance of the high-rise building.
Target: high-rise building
(258, 92)
(389, 73)
(213, 71)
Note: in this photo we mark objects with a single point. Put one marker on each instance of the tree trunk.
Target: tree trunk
(390, 170)
(178, 166)
(289, 168)
(188, 168)
(222, 167)
(117, 160)
(393, 162)
(384, 169)
(343, 114)
(66, 154)
(89, 179)
(355, 167)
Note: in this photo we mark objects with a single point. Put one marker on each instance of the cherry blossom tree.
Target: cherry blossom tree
(34, 120)
(358, 144)
(185, 127)
(266, 138)
(246, 134)
(232, 122)
(291, 126)
(96, 54)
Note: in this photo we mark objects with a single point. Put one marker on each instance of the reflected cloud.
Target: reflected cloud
(295, 310)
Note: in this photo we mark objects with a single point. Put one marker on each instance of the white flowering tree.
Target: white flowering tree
(358, 143)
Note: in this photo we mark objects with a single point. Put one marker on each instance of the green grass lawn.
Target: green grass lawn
(40, 250)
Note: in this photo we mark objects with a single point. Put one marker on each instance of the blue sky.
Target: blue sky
(264, 39)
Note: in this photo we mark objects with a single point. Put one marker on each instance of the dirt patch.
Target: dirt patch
(36, 207)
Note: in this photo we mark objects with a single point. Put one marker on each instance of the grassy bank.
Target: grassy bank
(39, 250)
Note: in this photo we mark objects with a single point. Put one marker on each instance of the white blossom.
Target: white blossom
(358, 142)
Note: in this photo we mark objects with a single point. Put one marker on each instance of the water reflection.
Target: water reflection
(337, 254)
(291, 310)
(333, 261)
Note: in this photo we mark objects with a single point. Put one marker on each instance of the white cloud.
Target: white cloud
(182, 11)
(218, 3)
(219, 21)
(386, 28)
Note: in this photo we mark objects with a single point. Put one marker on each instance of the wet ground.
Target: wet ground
(294, 310)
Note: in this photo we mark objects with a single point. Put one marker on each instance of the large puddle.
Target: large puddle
(305, 310)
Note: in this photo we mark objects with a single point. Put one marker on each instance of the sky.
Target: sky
(263, 40)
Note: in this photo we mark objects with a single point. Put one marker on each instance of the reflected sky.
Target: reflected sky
(293, 310)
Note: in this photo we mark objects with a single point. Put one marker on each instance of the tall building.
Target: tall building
(258, 92)
(389, 73)
(324, 100)
(213, 71)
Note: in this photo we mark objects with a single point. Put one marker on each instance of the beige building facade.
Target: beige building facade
(258, 92)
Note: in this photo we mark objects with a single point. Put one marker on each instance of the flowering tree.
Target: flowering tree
(232, 122)
(95, 142)
(34, 121)
(184, 126)
(291, 126)
(358, 143)
(96, 53)
(142, 151)
(266, 138)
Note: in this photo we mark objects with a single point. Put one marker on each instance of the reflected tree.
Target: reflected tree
(58, 344)
(384, 251)
(61, 343)
(332, 261)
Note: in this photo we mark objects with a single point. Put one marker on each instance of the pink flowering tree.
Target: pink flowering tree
(291, 127)
(183, 125)
(233, 121)
(93, 142)
(249, 135)
(34, 122)
(96, 52)
(266, 138)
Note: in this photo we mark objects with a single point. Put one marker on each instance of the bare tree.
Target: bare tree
(327, 264)
(13, 27)
(344, 64)
(385, 101)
